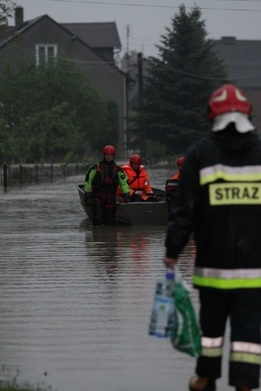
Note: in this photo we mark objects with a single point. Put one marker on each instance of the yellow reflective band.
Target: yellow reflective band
(213, 352)
(221, 283)
(230, 174)
(235, 193)
(245, 357)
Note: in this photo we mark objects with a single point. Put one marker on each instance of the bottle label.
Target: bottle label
(163, 310)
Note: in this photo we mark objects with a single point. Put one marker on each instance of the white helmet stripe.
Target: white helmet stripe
(239, 96)
(221, 97)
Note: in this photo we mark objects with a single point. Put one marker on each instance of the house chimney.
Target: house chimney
(19, 16)
(228, 40)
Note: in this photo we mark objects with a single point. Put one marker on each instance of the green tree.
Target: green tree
(6, 11)
(51, 111)
(180, 82)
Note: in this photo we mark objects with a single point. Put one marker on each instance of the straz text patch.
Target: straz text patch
(235, 193)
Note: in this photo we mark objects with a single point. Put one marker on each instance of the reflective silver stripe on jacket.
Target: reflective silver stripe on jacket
(228, 173)
(228, 274)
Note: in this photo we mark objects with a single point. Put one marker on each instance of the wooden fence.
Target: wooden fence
(17, 175)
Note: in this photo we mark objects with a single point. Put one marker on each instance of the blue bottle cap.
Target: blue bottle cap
(170, 274)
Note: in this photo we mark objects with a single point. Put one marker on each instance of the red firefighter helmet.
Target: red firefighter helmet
(135, 159)
(109, 150)
(180, 161)
(226, 99)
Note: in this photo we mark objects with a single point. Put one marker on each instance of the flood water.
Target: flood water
(75, 301)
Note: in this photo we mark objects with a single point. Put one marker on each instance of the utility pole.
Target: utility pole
(127, 85)
(141, 107)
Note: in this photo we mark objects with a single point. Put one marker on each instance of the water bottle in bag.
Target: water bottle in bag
(163, 311)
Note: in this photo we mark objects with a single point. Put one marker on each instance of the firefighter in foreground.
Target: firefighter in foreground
(219, 199)
(138, 180)
(101, 183)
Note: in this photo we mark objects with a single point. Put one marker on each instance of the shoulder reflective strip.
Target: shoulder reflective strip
(235, 193)
(211, 342)
(246, 347)
(220, 283)
(245, 358)
(212, 352)
(228, 173)
(227, 273)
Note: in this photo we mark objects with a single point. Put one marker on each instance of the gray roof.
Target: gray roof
(242, 59)
(96, 35)
(9, 33)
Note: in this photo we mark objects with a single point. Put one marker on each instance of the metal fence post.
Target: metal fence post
(5, 176)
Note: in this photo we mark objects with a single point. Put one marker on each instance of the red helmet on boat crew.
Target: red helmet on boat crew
(135, 159)
(226, 99)
(180, 161)
(109, 150)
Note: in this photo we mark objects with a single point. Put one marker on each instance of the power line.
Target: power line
(155, 5)
(104, 64)
(246, 1)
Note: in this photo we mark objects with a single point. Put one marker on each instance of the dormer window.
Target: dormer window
(45, 53)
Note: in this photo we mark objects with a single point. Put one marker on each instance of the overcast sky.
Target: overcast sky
(147, 19)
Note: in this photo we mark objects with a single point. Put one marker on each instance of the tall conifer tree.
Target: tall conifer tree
(180, 82)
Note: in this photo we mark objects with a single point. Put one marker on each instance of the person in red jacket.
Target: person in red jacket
(180, 162)
(172, 183)
(138, 180)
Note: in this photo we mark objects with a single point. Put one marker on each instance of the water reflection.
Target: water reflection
(76, 300)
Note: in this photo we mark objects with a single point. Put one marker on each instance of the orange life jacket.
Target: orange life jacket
(138, 181)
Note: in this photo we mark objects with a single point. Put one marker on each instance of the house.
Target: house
(242, 59)
(91, 45)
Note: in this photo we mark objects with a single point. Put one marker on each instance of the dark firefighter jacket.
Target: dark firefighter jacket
(219, 200)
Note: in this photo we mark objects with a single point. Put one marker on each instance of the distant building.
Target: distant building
(242, 59)
(91, 45)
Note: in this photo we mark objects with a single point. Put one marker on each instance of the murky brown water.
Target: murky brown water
(75, 301)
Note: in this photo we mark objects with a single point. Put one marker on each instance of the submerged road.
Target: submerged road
(75, 301)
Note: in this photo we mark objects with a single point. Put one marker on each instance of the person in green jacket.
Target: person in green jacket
(101, 183)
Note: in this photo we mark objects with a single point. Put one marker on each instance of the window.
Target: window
(45, 53)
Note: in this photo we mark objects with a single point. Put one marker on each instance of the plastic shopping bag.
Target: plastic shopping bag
(186, 334)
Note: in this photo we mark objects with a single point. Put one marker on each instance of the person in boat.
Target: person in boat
(100, 186)
(172, 183)
(180, 162)
(138, 180)
(218, 199)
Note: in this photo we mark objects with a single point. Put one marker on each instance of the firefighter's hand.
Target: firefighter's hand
(88, 198)
(126, 198)
(169, 262)
(138, 192)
